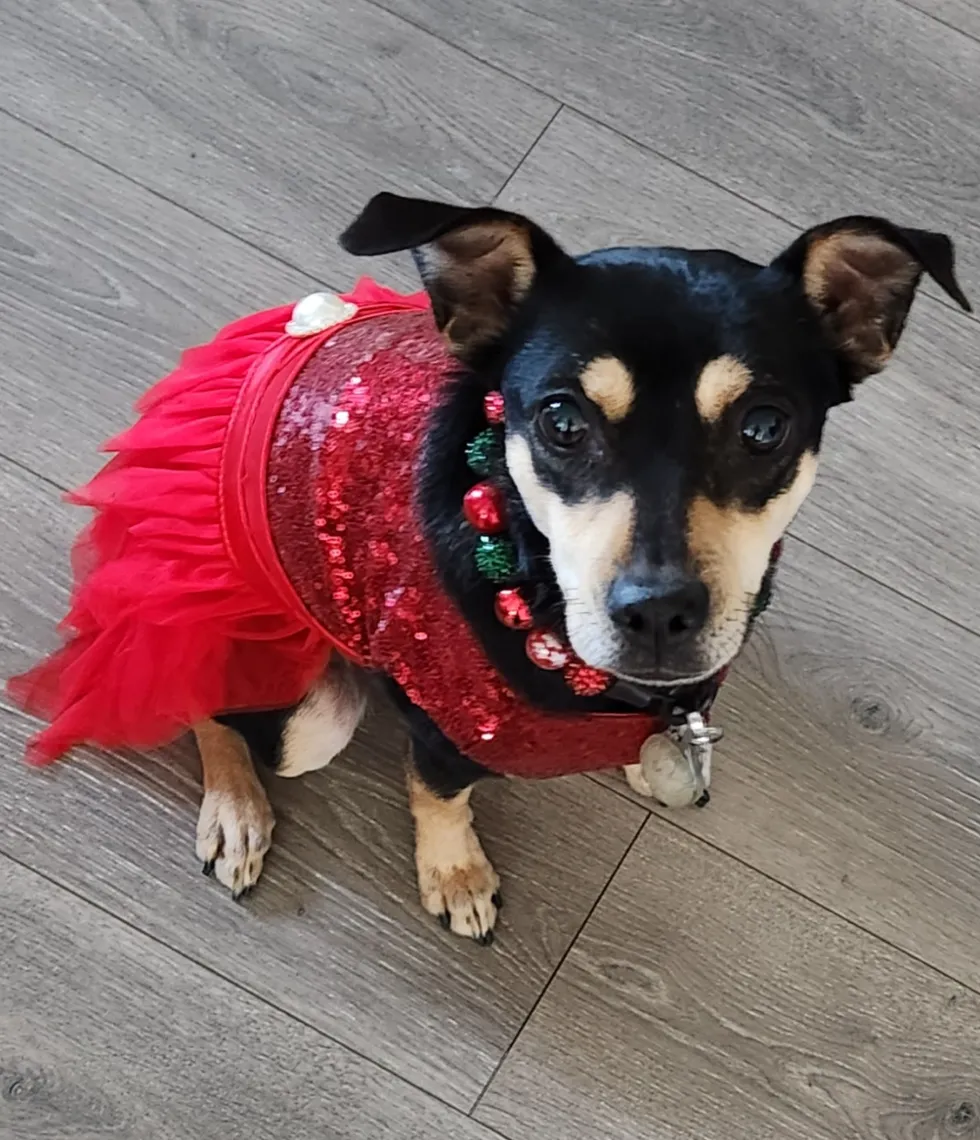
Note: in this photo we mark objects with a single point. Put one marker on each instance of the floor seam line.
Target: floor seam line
(938, 20)
(868, 577)
(563, 958)
(159, 194)
(21, 466)
(566, 104)
(796, 892)
(544, 130)
(187, 957)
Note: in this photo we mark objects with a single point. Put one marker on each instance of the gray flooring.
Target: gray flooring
(799, 962)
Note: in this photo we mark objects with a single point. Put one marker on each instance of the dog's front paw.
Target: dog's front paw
(638, 781)
(234, 833)
(458, 884)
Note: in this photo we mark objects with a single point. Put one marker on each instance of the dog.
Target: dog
(644, 424)
(665, 410)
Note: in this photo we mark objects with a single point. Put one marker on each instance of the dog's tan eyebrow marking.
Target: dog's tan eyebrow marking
(609, 384)
(720, 384)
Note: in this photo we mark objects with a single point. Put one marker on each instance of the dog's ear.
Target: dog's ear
(860, 275)
(477, 264)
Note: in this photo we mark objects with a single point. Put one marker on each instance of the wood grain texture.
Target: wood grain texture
(961, 14)
(850, 767)
(102, 285)
(703, 1003)
(899, 471)
(275, 121)
(811, 109)
(103, 1032)
(335, 933)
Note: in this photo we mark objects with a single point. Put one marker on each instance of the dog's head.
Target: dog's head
(664, 407)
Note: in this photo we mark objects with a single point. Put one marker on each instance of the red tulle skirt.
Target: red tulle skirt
(164, 629)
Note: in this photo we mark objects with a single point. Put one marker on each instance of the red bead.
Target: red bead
(585, 681)
(484, 508)
(512, 610)
(493, 407)
(547, 650)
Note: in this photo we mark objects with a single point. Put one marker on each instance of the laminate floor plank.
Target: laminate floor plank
(898, 495)
(702, 1002)
(103, 1032)
(850, 768)
(961, 14)
(102, 285)
(275, 121)
(812, 109)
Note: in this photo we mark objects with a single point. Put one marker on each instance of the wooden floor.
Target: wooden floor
(799, 962)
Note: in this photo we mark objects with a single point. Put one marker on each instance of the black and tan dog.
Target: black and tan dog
(665, 412)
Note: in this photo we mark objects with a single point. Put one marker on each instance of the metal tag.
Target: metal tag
(698, 738)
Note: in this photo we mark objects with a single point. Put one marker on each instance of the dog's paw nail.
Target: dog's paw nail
(704, 799)
(234, 831)
(445, 921)
(497, 901)
(485, 939)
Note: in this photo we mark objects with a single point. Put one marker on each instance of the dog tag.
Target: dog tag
(698, 739)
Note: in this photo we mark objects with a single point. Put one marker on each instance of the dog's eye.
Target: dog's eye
(562, 424)
(764, 428)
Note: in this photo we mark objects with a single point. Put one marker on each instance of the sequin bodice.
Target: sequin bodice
(342, 509)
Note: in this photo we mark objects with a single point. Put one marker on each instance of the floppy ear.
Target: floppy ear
(477, 264)
(860, 275)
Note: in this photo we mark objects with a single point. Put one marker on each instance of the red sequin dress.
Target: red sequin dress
(261, 515)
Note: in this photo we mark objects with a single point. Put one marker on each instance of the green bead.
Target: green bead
(479, 451)
(495, 557)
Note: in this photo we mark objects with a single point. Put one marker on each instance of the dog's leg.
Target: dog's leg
(324, 722)
(234, 828)
(457, 883)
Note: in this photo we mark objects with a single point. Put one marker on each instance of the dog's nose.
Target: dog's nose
(661, 612)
